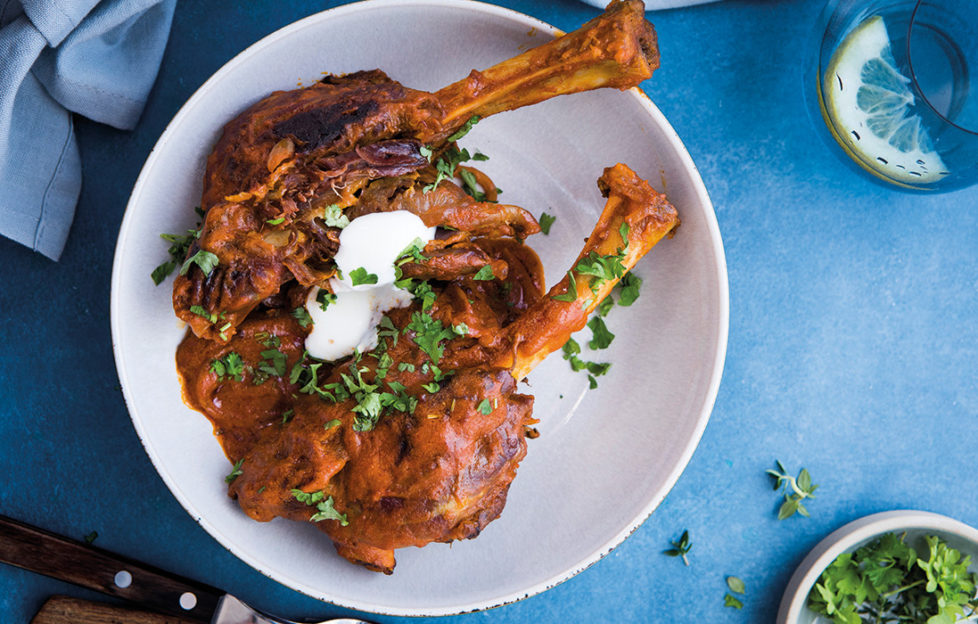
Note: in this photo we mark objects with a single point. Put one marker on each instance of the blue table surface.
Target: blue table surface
(853, 340)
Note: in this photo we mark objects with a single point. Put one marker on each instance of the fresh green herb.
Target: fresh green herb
(680, 548)
(795, 490)
(179, 246)
(889, 581)
(230, 366)
(449, 161)
(605, 306)
(360, 276)
(571, 294)
(333, 217)
(235, 471)
(405, 366)
(461, 132)
(545, 222)
(203, 259)
(629, 286)
(485, 407)
(470, 185)
(287, 415)
(426, 152)
(201, 312)
(91, 537)
(333, 423)
(432, 387)
(323, 504)
(424, 292)
(302, 315)
(275, 221)
(429, 333)
(731, 601)
(324, 298)
(461, 329)
(273, 362)
(571, 350)
(484, 274)
(268, 340)
(412, 252)
(736, 585)
(602, 337)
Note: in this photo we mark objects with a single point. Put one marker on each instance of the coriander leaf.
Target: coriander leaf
(229, 366)
(201, 312)
(602, 337)
(323, 504)
(545, 222)
(324, 298)
(432, 387)
(275, 221)
(629, 285)
(571, 294)
(360, 276)
(405, 366)
(179, 246)
(461, 132)
(332, 423)
(795, 491)
(203, 259)
(730, 601)
(736, 585)
(484, 274)
(235, 471)
(333, 217)
(302, 316)
(485, 407)
(605, 306)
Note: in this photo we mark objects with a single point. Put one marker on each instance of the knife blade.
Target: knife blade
(88, 566)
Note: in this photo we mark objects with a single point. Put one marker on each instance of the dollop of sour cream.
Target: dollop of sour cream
(372, 243)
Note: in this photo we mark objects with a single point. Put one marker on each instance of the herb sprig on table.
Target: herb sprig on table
(796, 489)
(887, 582)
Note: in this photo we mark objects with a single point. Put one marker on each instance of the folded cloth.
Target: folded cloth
(58, 57)
(655, 5)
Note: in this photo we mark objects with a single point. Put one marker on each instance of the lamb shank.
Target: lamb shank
(281, 165)
(436, 461)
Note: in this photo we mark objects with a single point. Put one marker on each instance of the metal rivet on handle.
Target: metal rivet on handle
(188, 601)
(122, 579)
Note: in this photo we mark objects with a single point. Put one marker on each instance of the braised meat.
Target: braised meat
(435, 460)
(285, 162)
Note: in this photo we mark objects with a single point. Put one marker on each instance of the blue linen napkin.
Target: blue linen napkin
(57, 57)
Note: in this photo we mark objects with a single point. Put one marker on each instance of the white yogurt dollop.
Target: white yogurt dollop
(373, 243)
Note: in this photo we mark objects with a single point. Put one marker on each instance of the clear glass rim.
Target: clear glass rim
(916, 83)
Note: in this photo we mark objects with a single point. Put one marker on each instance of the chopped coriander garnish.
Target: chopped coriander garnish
(449, 162)
(275, 221)
(461, 132)
(324, 298)
(405, 366)
(179, 245)
(412, 252)
(602, 337)
(571, 294)
(333, 217)
(235, 471)
(287, 415)
(302, 315)
(429, 333)
(485, 407)
(360, 276)
(323, 504)
(730, 601)
(273, 362)
(461, 329)
(680, 547)
(333, 423)
(484, 274)
(432, 387)
(629, 285)
(545, 222)
(201, 312)
(229, 366)
(605, 306)
(203, 259)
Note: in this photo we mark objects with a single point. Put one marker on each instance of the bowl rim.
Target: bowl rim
(698, 189)
(848, 536)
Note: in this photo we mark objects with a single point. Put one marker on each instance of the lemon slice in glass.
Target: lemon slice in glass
(868, 105)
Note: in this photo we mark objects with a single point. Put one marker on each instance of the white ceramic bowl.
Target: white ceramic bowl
(606, 458)
(915, 524)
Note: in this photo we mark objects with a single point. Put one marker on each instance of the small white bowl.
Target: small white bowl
(958, 535)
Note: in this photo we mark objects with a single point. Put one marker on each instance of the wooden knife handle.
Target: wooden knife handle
(65, 610)
(68, 560)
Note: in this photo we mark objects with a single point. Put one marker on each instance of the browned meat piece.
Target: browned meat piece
(425, 450)
(281, 163)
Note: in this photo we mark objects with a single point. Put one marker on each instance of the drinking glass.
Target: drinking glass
(896, 87)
